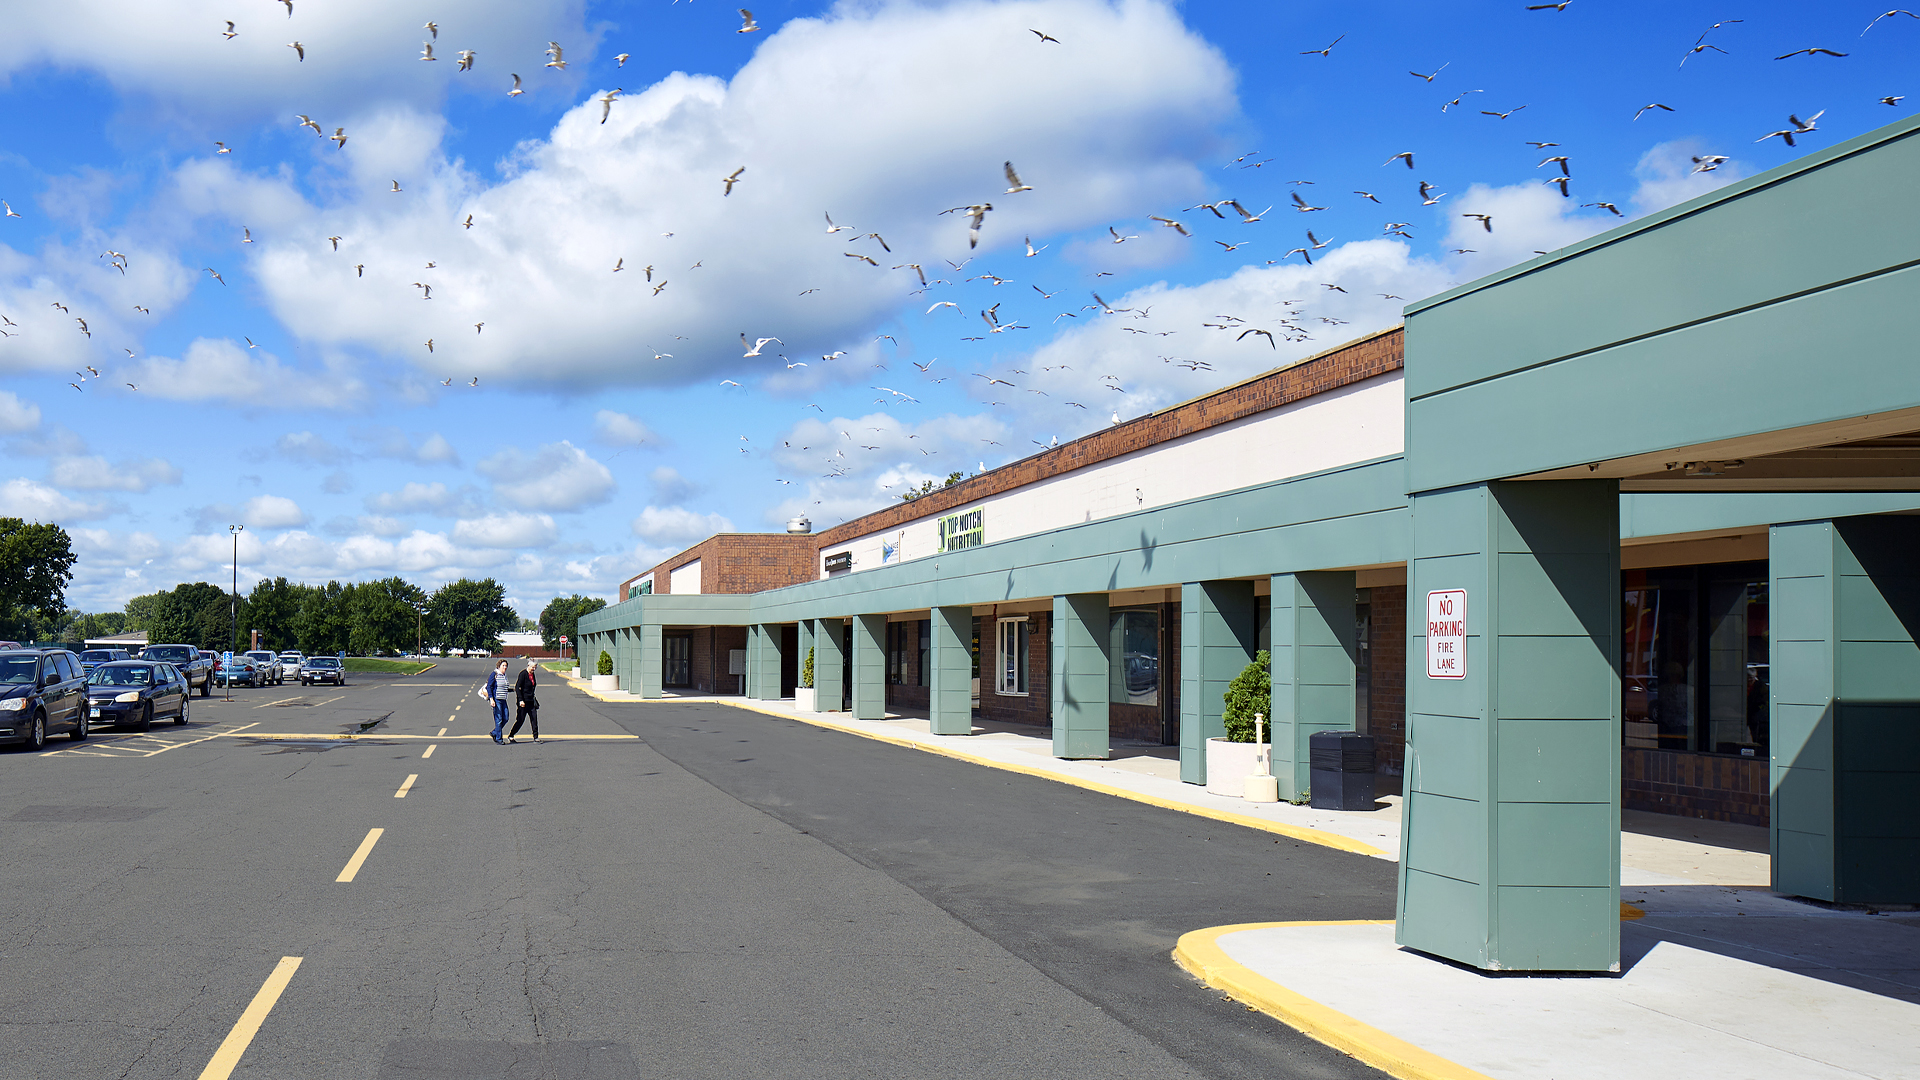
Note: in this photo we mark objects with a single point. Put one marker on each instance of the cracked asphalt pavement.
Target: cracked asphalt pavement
(728, 895)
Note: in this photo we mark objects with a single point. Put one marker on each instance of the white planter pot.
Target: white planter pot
(576, 672)
(803, 698)
(1230, 763)
(605, 683)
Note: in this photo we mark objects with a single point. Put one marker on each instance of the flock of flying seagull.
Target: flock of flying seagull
(1289, 325)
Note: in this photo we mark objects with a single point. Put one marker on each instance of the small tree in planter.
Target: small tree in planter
(806, 671)
(1250, 692)
(605, 667)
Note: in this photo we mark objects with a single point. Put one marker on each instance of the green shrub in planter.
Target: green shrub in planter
(606, 663)
(806, 671)
(1250, 692)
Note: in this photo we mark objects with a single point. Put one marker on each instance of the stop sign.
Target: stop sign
(563, 639)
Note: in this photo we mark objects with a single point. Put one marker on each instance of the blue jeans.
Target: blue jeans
(499, 715)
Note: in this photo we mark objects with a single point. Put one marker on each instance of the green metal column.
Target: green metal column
(950, 687)
(1844, 611)
(828, 661)
(768, 665)
(1218, 628)
(1080, 652)
(750, 682)
(805, 645)
(1314, 658)
(1510, 840)
(651, 657)
(869, 667)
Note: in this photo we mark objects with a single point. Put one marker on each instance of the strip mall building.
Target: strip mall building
(1634, 523)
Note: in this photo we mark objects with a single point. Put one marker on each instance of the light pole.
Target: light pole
(233, 605)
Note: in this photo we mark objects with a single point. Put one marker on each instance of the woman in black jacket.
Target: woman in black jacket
(528, 706)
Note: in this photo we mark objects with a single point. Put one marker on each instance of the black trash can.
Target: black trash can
(1340, 770)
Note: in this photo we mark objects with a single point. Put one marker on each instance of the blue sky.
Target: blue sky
(296, 393)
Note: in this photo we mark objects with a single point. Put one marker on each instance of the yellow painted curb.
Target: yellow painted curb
(1309, 836)
(1200, 954)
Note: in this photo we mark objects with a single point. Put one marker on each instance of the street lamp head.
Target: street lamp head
(236, 528)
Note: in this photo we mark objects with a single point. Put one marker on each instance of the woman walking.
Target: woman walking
(496, 692)
(529, 706)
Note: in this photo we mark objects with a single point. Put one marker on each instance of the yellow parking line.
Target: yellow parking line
(330, 700)
(443, 731)
(451, 715)
(360, 855)
(237, 1040)
(430, 751)
(408, 783)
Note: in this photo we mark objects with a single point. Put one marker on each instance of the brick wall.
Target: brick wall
(1717, 787)
(709, 662)
(1387, 688)
(742, 563)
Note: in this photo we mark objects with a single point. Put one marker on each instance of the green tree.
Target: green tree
(561, 616)
(1250, 692)
(471, 615)
(384, 616)
(140, 610)
(195, 614)
(36, 563)
(323, 620)
(273, 608)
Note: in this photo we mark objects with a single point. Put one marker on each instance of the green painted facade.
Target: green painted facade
(1314, 653)
(1080, 669)
(1218, 626)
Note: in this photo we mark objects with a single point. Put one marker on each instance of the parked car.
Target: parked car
(326, 669)
(41, 691)
(290, 661)
(241, 669)
(269, 665)
(94, 657)
(131, 693)
(194, 665)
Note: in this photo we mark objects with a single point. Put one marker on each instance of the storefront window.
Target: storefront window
(1015, 637)
(1694, 659)
(1134, 670)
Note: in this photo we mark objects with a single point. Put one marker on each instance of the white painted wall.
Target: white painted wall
(686, 580)
(1360, 422)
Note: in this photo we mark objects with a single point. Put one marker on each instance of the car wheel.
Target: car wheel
(206, 687)
(37, 734)
(82, 727)
(182, 717)
(146, 719)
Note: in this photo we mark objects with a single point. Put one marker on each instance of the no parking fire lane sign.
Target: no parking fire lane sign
(1447, 634)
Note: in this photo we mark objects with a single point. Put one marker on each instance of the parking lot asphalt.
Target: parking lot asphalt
(724, 895)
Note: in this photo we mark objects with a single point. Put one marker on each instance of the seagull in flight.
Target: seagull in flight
(1013, 178)
(747, 25)
(299, 48)
(1652, 105)
(606, 102)
(832, 228)
(976, 216)
(210, 270)
(1246, 218)
(757, 346)
(1863, 33)
(396, 187)
(1328, 51)
(1486, 220)
(307, 121)
(1607, 206)
(1166, 223)
(1502, 115)
(426, 52)
(432, 28)
(1043, 37)
(1427, 197)
(231, 33)
(1437, 71)
(516, 91)
(466, 60)
(621, 60)
(1032, 251)
(557, 62)
(1812, 52)
(732, 179)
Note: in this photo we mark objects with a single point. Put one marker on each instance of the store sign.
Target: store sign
(966, 529)
(838, 561)
(1447, 634)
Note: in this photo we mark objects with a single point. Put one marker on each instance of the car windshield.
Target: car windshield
(324, 661)
(17, 670)
(96, 655)
(260, 655)
(173, 654)
(107, 675)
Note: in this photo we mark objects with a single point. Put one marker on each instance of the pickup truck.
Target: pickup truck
(198, 672)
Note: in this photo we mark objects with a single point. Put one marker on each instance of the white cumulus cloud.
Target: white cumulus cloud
(677, 526)
(557, 477)
(507, 531)
(619, 429)
(272, 512)
(93, 473)
(23, 498)
(17, 414)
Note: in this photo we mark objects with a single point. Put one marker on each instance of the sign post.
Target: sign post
(1447, 634)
